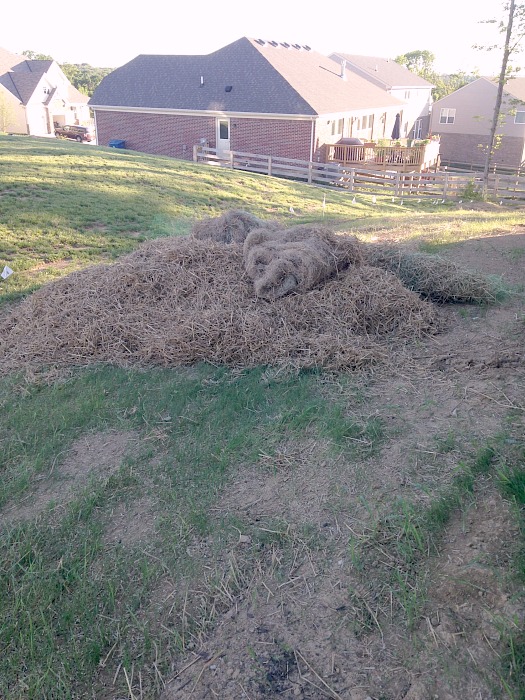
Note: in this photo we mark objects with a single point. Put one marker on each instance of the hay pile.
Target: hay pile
(432, 276)
(178, 301)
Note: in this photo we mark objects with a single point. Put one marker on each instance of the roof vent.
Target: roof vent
(228, 88)
(273, 43)
(297, 46)
(285, 45)
(307, 48)
(260, 41)
(202, 81)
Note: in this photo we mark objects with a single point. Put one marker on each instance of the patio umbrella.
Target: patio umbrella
(396, 131)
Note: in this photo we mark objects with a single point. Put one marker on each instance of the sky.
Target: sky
(109, 33)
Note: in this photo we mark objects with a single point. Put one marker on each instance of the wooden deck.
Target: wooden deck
(407, 159)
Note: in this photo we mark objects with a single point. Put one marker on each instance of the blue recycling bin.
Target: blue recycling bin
(117, 143)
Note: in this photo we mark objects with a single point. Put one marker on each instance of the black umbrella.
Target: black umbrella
(396, 131)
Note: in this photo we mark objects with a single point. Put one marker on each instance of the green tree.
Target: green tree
(34, 56)
(84, 77)
(422, 63)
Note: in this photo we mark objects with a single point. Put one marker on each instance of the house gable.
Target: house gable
(42, 93)
(463, 120)
(383, 72)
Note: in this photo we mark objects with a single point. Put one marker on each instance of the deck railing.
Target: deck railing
(420, 157)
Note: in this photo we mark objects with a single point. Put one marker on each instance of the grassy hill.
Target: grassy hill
(203, 531)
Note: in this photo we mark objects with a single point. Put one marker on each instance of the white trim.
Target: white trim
(206, 113)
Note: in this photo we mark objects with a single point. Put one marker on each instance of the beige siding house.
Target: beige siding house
(413, 91)
(463, 120)
(35, 96)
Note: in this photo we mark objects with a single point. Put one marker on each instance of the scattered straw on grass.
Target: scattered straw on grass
(432, 276)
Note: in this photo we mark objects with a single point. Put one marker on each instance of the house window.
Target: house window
(519, 118)
(407, 94)
(340, 126)
(224, 131)
(365, 122)
(447, 115)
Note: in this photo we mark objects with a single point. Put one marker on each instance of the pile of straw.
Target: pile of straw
(178, 301)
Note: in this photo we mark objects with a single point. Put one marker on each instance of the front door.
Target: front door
(223, 137)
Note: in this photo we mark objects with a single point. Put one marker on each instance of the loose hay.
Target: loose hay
(432, 276)
(179, 301)
(296, 259)
(231, 227)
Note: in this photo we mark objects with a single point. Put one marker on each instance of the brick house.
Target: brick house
(463, 120)
(253, 95)
(35, 95)
(413, 90)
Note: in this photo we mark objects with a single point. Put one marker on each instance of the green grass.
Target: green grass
(77, 609)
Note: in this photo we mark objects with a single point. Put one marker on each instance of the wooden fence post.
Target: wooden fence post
(398, 184)
(269, 165)
(195, 153)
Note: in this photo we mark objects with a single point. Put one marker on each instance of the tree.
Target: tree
(422, 63)
(34, 56)
(514, 31)
(84, 77)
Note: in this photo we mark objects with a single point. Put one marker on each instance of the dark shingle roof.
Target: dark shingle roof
(383, 71)
(264, 79)
(25, 84)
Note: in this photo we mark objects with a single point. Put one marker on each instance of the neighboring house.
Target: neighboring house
(253, 96)
(35, 96)
(398, 81)
(463, 120)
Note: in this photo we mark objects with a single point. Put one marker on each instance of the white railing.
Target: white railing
(383, 182)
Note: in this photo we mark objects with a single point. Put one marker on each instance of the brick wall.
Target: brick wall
(464, 148)
(275, 137)
(158, 134)
(175, 136)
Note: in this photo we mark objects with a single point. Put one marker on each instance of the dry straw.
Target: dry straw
(182, 300)
(432, 276)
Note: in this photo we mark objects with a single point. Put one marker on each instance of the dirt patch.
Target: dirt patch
(129, 523)
(90, 456)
